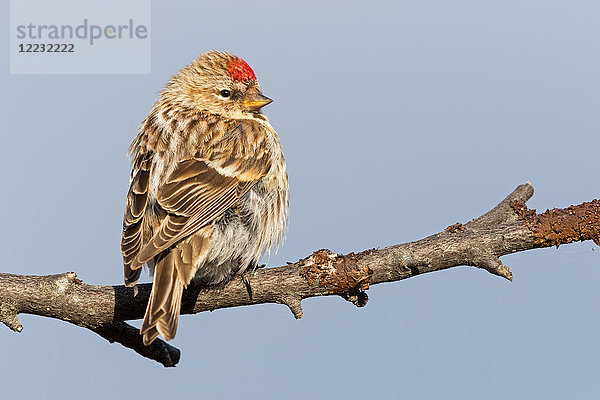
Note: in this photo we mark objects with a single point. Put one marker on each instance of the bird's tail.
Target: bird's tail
(162, 313)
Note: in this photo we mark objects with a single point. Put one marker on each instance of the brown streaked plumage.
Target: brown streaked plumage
(208, 191)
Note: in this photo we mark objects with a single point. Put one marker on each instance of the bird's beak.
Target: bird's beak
(256, 101)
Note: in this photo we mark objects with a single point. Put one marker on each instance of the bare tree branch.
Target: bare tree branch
(508, 228)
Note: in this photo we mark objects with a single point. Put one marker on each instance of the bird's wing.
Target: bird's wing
(197, 192)
(131, 240)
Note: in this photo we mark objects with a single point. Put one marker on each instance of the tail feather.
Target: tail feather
(150, 335)
(168, 326)
(162, 313)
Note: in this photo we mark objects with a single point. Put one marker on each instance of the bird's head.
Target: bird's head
(218, 83)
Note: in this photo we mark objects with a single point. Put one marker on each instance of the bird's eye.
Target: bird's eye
(225, 93)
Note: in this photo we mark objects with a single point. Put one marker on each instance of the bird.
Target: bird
(208, 191)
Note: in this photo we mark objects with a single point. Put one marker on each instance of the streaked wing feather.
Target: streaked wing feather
(194, 195)
(131, 240)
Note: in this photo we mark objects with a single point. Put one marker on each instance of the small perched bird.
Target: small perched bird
(208, 192)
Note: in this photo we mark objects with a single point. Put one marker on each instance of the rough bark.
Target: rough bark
(508, 228)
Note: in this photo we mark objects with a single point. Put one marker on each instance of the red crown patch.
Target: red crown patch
(239, 70)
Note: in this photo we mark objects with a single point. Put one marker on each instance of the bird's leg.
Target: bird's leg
(246, 280)
(248, 285)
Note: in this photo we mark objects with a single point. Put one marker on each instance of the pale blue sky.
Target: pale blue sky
(397, 120)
